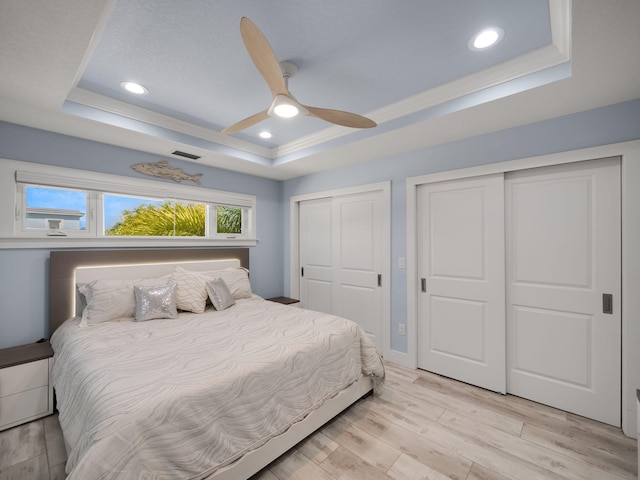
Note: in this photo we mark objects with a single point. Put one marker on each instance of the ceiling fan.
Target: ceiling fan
(276, 74)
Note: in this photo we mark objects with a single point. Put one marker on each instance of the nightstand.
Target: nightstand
(291, 302)
(26, 391)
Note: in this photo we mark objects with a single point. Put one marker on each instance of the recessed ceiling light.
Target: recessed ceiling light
(486, 38)
(133, 87)
(265, 134)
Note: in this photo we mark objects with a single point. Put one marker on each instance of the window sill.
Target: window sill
(116, 242)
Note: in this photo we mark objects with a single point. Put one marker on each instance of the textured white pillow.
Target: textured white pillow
(154, 302)
(191, 294)
(237, 279)
(112, 299)
(219, 294)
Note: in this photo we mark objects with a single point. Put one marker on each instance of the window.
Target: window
(140, 217)
(71, 205)
(229, 221)
(52, 209)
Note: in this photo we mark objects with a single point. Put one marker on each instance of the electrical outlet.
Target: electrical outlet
(402, 329)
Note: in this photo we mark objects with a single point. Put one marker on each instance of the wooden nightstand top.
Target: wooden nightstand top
(284, 300)
(24, 354)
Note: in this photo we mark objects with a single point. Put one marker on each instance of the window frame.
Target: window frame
(213, 222)
(21, 228)
(16, 175)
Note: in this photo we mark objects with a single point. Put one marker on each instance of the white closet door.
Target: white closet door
(358, 261)
(316, 254)
(341, 257)
(461, 312)
(563, 251)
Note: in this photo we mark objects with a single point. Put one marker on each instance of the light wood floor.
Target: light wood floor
(421, 426)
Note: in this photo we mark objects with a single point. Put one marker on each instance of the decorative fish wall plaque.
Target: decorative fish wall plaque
(164, 170)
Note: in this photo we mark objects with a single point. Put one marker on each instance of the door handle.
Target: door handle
(423, 285)
(607, 303)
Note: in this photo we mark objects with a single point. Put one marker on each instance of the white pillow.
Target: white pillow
(237, 279)
(155, 302)
(219, 294)
(191, 294)
(112, 299)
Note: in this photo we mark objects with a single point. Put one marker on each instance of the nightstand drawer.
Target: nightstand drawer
(26, 376)
(24, 406)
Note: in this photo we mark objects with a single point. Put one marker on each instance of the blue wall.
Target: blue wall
(611, 124)
(24, 272)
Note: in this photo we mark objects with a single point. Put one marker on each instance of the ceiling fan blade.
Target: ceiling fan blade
(263, 57)
(246, 123)
(339, 117)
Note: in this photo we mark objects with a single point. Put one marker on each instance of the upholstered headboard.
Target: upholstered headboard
(63, 265)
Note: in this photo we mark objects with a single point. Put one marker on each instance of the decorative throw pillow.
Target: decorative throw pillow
(191, 294)
(219, 294)
(237, 279)
(155, 302)
(108, 300)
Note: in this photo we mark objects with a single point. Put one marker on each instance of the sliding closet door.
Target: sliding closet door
(316, 254)
(341, 258)
(564, 286)
(358, 261)
(461, 307)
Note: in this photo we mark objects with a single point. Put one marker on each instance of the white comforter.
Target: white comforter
(182, 398)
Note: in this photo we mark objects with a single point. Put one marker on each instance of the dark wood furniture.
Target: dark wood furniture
(285, 301)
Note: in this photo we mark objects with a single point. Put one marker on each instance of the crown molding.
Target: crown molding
(117, 107)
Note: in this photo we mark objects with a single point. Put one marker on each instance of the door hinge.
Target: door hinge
(423, 285)
(607, 303)
(379, 279)
(302, 272)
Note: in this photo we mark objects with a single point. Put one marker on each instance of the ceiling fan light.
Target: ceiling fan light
(284, 106)
(286, 110)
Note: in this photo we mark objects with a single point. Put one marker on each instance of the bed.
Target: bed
(216, 394)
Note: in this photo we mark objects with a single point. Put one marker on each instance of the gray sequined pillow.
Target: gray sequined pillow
(111, 299)
(220, 294)
(155, 302)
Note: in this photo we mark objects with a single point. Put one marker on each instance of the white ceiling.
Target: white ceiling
(404, 64)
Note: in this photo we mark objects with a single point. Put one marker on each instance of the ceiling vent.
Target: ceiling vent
(186, 155)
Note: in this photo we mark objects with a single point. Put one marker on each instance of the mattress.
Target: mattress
(181, 398)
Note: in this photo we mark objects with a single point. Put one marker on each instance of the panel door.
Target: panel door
(341, 257)
(461, 307)
(358, 261)
(316, 254)
(564, 250)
